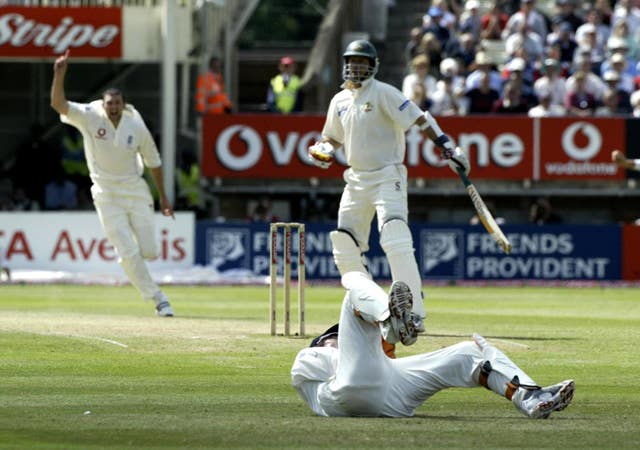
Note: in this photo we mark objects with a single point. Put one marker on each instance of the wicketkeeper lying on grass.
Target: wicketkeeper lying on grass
(347, 373)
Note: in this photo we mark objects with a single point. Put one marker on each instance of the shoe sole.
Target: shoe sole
(560, 400)
(402, 314)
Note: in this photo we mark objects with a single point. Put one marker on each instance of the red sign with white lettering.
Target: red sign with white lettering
(47, 32)
(580, 148)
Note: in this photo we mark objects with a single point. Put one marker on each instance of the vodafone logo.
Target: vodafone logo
(240, 147)
(581, 141)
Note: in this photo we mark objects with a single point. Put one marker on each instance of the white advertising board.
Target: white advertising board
(75, 242)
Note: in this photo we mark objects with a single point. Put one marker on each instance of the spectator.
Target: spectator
(526, 15)
(483, 65)
(512, 101)
(593, 84)
(520, 73)
(493, 22)
(527, 40)
(594, 22)
(463, 49)
(612, 78)
(580, 102)
(618, 63)
(482, 98)
(419, 97)
(542, 213)
(60, 192)
(470, 21)
(448, 99)
(635, 103)
(565, 42)
(21, 202)
(211, 97)
(546, 108)
(262, 211)
(431, 47)
(629, 41)
(420, 66)
(618, 46)
(435, 24)
(411, 49)
(284, 94)
(551, 83)
(610, 105)
(626, 10)
(565, 12)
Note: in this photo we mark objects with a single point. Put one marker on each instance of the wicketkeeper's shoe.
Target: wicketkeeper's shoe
(540, 403)
(400, 326)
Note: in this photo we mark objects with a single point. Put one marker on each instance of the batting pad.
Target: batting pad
(397, 243)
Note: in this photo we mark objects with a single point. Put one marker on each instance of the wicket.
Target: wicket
(273, 273)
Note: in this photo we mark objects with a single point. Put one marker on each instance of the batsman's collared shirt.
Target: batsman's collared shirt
(112, 153)
(360, 119)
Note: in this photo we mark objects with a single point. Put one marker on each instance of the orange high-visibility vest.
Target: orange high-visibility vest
(210, 95)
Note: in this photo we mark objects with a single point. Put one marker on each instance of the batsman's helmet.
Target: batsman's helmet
(360, 48)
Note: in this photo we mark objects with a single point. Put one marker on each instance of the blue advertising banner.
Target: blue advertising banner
(443, 252)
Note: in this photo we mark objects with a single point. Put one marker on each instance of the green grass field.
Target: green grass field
(88, 367)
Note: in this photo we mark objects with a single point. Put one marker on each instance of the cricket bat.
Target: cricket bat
(484, 215)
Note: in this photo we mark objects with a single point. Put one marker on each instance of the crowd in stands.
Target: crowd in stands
(571, 58)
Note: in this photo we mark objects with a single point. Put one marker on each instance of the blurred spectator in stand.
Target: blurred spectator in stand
(519, 73)
(73, 160)
(444, 17)
(449, 99)
(629, 40)
(604, 10)
(21, 202)
(284, 94)
(482, 98)
(593, 84)
(613, 80)
(189, 194)
(580, 102)
(527, 15)
(470, 21)
(211, 97)
(635, 103)
(262, 212)
(434, 23)
(483, 65)
(609, 107)
(431, 47)
(463, 49)
(419, 97)
(493, 22)
(628, 11)
(542, 213)
(511, 102)
(551, 83)
(34, 176)
(618, 63)
(617, 46)
(546, 108)
(594, 21)
(564, 40)
(565, 12)
(527, 40)
(411, 49)
(60, 192)
(420, 67)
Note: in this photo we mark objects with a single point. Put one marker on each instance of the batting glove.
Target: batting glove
(457, 159)
(321, 154)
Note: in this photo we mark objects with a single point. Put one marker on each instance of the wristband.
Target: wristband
(443, 142)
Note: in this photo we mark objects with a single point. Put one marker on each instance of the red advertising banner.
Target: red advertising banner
(46, 32)
(275, 146)
(580, 148)
(630, 254)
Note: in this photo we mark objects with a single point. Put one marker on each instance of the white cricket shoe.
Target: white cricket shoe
(163, 307)
(401, 324)
(540, 403)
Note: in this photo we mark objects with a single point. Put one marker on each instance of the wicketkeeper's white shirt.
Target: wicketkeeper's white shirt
(371, 123)
(112, 153)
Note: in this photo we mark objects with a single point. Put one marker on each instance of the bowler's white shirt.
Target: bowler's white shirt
(371, 122)
(112, 153)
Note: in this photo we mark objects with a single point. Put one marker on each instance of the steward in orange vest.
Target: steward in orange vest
(210, 95)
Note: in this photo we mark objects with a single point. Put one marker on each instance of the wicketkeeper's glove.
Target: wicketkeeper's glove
(321, 154)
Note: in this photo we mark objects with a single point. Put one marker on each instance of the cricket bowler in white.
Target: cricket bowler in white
(351, 375)
(115, 137)
(369, 119)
